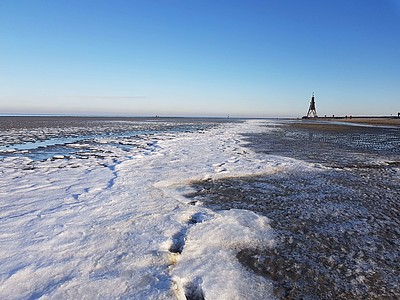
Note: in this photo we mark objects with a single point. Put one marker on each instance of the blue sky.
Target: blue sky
(200, 58)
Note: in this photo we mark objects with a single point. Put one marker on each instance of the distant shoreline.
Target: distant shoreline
(367, 120)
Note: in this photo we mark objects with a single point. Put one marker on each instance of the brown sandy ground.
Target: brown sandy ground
(373, 121)
(328, 124)
(378, 121)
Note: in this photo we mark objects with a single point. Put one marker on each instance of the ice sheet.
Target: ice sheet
(119, 226)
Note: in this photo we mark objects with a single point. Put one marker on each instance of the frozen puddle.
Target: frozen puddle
(120, 227)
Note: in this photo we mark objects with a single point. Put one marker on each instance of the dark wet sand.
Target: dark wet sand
(337, 229)
(373, 121)
(393, 121)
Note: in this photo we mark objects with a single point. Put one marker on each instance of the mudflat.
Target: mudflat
(346, 125)
(379, 121)
(336, 219)
(373, 121)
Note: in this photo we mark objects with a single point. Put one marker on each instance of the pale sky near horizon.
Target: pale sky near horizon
(258, 58)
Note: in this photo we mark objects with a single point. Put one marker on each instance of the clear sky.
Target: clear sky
(260, 58)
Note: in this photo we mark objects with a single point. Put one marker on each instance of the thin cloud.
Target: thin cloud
(111, 97)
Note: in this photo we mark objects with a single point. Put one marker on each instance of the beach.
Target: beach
(200, 150)
(379, 121)
(336, 220)
(199, 209)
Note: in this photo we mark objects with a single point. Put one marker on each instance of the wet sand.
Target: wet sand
(337, 230)
(378, 121)
(373, 121)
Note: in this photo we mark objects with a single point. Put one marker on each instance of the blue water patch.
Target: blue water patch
(41, 144)
(62, 146)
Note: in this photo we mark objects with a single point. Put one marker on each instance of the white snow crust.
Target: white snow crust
(118, 226)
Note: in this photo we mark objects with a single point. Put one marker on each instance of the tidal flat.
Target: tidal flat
(198, 209)
(337, 227)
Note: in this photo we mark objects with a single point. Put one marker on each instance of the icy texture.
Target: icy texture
(111, 221)
(208, 267)
(337, 228)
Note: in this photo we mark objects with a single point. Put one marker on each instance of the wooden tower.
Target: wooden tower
(312, 112)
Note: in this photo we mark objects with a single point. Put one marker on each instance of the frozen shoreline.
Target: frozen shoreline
(119, 226)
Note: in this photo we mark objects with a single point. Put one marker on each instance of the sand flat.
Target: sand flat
(372, 121)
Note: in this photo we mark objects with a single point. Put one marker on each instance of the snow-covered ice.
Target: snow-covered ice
(117, 225)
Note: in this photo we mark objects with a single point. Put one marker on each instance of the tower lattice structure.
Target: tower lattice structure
(312, 112)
